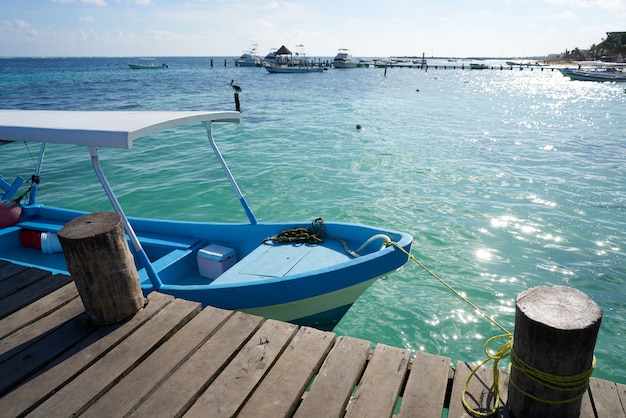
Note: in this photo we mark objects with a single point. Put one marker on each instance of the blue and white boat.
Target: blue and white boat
(595, 74)
(147, 64)
(311, 281)
(343, 59)
(249, 58)
(283, 61)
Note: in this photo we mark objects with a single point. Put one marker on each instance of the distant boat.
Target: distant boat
(249, 58)
(343, 59)
(284, 62)
(595, 74)
(148, 64)
(474, 66)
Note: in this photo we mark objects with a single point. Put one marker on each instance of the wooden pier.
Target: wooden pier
(174, 358)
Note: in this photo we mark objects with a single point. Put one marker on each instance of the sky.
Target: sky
(368, 28)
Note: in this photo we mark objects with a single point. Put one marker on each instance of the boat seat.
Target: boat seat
(269, 261)
(146, 239)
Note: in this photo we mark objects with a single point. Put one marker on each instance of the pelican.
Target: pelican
(235, 87)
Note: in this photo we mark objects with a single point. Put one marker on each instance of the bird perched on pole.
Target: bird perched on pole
(235, 87)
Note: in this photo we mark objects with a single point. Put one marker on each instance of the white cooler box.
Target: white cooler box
(214, 260)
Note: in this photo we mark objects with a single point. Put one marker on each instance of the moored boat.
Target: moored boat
(283, 61)
(147, 64)
(477, 66)
(267, 269)
(595, 74)
(343, 59)
(249, 58)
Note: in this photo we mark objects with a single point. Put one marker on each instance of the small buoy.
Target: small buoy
(358, 126)
(417, 89)
(9, 213)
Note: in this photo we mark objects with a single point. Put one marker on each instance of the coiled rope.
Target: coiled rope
(316, 235)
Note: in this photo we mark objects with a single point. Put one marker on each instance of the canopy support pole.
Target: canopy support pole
(35, 184)
(242, 200)
(137, 248)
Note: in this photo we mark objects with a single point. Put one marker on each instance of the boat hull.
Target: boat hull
(279, 69)
(615, 76)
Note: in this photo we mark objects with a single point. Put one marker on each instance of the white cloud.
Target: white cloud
(86, 19)
(102, 3)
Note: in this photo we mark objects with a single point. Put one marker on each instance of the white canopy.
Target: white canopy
(112, 129)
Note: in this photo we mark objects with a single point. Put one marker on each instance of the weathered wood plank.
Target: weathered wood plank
(25, 362)
(425, 391)
(336, 379)
(604, 399)
(64, 369)
(22, 278)
(479, 394)
(8, 270)
(78, 394)
(37, 309)
(32, 294)
(233, 386)
(185, 385)
(128, 393)
(33, 332)
(382, 381)
(282, 388)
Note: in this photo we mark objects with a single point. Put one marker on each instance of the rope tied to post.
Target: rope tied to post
(575, 383)
(578, 382)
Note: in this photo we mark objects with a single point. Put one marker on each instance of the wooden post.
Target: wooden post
(555, 334)
(99, 260)
(237, 105)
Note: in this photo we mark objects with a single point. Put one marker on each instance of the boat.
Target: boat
(595, 74)
(475, 66)
(343, 59)
(148, 64)
(283, 61)
(249, 58)
(307, 273)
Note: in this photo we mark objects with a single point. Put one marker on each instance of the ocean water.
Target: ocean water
(506, 179)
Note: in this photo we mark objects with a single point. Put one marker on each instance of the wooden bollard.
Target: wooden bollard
(99, 260)
(552, 357)
(237, 104)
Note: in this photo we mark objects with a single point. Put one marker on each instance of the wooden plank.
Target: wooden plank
(185, 385)
(22, 277)
(33, 332)
(31, 394)
(25, 362)
(280, 391)
(80, 393)
(604, 399)
(336, 379)
(233, 386)
(425, 391)
(479, 394)
(37, 310)
(32, 293)
(129, 392)
(9, 270)
(382, 381)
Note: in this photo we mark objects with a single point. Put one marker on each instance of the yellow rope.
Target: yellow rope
(578, 381)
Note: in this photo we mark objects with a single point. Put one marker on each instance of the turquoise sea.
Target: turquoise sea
(507, 179)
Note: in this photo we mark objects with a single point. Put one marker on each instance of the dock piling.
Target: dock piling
(552, 356)
(100, 261)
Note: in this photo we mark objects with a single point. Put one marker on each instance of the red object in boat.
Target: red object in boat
(30, 238)
(9, 213)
